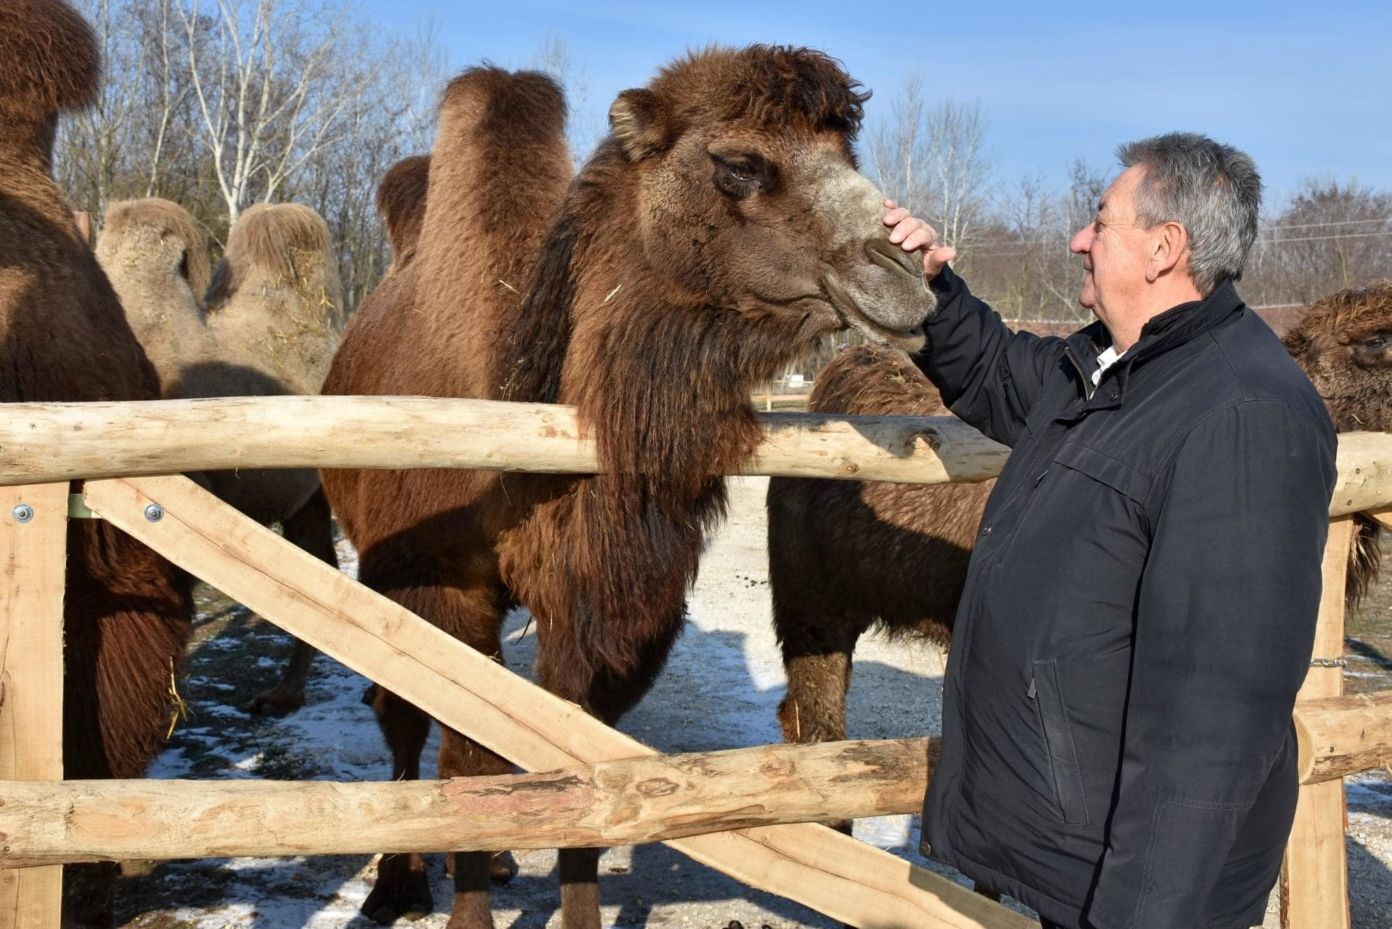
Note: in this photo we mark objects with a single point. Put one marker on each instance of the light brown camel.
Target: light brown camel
(845, 556)
(270, 336)
(126, 613)
(715, 236)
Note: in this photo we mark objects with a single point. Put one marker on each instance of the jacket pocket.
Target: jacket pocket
(1058, 743)
(1105, 469)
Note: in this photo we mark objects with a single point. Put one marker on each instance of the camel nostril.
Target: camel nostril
(892, 258)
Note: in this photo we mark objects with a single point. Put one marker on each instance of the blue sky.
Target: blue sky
(1305, 89)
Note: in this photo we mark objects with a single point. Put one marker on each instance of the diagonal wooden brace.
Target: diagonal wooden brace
(832, 873)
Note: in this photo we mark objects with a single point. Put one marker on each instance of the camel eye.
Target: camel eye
(1377, 341)
(742, 175)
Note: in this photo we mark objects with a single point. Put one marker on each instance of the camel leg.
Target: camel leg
(817, 658)
(311, 528)
(402, 887)
(607, 695)
(473, 617)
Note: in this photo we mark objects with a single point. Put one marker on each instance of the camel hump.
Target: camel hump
(130, 223)
(401, 203)
(510, 107)
(51, 60)
(285, 242)
(874, 380)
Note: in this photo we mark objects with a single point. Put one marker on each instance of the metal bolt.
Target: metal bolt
(22, 513)
(154, 512)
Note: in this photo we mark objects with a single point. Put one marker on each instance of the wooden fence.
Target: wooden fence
(746, 812)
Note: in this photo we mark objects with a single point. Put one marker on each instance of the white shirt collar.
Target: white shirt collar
(1109, 357)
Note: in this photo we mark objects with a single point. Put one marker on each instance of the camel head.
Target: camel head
(1344, 344)
(748, 192)
(155, 240)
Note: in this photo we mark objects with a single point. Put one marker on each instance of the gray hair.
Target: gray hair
(1212, 190)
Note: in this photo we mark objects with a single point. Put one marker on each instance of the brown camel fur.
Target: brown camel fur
(126, 613)
(845, 556)
(714, 237)
(1344, 344)
(401, 204)
(270, 337)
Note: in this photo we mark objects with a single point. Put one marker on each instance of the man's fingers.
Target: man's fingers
(934, 260)
(922, 237)
(903, 230)
(896, 215)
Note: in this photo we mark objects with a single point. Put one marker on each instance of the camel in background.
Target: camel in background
(270, 334)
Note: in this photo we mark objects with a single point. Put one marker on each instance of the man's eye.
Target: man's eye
(1097, 226)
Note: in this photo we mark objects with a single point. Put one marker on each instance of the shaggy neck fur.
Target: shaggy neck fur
(662, 379)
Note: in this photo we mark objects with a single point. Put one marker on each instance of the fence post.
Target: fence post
(33, 558)
(1314, 879)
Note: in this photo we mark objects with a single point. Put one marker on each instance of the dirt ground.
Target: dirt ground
(720, 690)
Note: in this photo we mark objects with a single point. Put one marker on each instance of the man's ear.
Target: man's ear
(1168, 245)
(639, 122)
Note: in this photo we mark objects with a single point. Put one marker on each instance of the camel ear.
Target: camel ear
(639, 123)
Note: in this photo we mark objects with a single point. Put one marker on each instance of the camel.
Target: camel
(269, 335)
(716, 235)
(844, 556)
(126, 611)
(401, 204)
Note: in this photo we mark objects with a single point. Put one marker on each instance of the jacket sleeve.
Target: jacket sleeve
(1225, 622)
(987, 374)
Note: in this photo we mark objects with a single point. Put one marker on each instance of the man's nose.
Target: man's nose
(1082, 240)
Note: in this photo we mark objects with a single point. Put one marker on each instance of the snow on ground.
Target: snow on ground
(720, 690)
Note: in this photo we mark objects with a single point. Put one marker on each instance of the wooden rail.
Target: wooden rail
(642, 799)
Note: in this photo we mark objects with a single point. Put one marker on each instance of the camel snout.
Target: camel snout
(892, 258)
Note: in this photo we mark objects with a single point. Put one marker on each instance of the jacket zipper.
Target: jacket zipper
(1088, 386)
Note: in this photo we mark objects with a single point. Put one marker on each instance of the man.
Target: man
(1140, 608)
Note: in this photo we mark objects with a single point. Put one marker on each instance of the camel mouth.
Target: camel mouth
(850, 313)
(893, 258)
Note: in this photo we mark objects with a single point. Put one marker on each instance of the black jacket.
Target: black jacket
(1138, 615)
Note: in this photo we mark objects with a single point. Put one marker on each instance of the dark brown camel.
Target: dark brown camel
(272, 334)
(126, 614)
(845, 556)
(716, 235)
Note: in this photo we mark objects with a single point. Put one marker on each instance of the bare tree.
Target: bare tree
(934, 160)
(1329, 237)
(262, 76)
(898, 148)
(582, 132)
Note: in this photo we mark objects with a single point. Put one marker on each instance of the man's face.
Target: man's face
(1113, 247)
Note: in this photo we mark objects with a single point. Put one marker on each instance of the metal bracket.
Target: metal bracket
(77, 508)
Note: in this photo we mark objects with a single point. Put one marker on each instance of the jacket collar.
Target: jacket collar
(1164, 331)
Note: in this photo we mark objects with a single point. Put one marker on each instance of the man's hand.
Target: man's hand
(913, 234)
